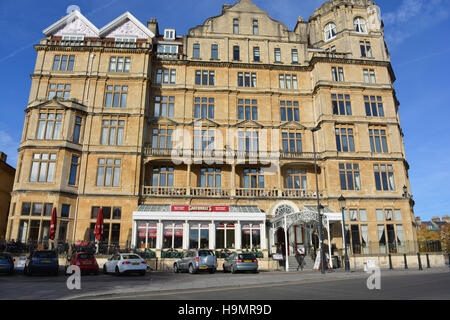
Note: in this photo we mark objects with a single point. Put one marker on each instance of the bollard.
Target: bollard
(420, 262)
(428, 262)
(390, 262)
(406, 262)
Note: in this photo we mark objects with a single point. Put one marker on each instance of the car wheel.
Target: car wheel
(175, 268)
(191, 269)
(104, 269)
(213, 270)
(117, 271)
(255, 271)
(142, 273)
(233, 270)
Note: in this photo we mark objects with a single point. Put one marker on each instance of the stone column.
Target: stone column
(212, 235)
(159, 235)
(237, 235)
(233, 180)
(263, 236)
(188, 179)
(186, 235)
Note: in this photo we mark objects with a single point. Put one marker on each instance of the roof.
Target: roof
(167, 208)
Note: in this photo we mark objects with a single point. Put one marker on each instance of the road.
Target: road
(397, 284)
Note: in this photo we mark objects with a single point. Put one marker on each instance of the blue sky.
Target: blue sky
(416, 33)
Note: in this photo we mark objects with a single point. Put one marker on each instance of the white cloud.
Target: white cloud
(413, 16)
(9, 145)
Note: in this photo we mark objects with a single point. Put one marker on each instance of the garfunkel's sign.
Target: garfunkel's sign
(199, 208)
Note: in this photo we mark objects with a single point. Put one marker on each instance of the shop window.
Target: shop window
(173, 236)
(199, 236)
(251, 236)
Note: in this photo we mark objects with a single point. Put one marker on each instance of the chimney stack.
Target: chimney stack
(152, 25)
(3, 156)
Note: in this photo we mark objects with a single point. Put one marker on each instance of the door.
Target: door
(281, 241)
(299, 238)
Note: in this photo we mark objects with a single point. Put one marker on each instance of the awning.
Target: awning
(183, 212)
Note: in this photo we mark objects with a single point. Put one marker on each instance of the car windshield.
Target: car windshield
(130, 257)
(246, 256)
(205, 253)
(4, 256)
(44, 254)
(85, 256)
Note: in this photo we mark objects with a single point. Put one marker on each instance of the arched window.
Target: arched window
(330, 31)
(360, 25)
(283, 209)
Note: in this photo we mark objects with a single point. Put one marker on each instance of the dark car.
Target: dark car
(42, 261)
(240, 262)
(6, 263)
(85, 261)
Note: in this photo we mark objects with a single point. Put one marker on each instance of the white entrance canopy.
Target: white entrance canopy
(308, 216)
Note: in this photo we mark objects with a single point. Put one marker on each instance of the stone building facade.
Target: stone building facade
(205, 140)
(7, 179)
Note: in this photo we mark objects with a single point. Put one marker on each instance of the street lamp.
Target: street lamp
(322, 251)
(342, 205)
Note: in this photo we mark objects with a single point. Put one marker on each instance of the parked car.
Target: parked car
(85, 261)
(196, 260)
(42, 261)
(240, 262)
(6, 263)
(125, 263)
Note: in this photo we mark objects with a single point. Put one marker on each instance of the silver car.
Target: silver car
(196, 260)
(240, 262)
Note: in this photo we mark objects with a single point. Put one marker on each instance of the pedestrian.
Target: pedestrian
(300, 256)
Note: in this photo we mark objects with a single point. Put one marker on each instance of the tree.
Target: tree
(444, 233)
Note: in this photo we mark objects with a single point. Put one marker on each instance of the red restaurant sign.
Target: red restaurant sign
(199, 208)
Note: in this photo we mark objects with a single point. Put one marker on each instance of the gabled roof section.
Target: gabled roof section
(126, 26)
(248, 124)
(72, 24)
(165, 121)
(291, 124)
(246, 6)
(204, 123)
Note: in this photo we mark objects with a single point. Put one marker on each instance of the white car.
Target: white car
(125, 263)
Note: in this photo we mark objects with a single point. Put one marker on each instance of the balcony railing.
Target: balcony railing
(210, 192)
(217, 153)
(164, 191)
(228, 192)
(256, 193)
(95, 43)
(169, 56)
(300, 193)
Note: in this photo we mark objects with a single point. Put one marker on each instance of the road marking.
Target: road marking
(160, 293)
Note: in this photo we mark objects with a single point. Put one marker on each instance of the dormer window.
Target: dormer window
(236, 26)
(125, 43)
(255, 27)
(169, 34)
(72, 40)
(330, 31)
(360, 25)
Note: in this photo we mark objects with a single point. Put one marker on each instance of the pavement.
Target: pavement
(165, 282)
(156, 283)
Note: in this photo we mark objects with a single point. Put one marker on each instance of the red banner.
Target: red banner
(199, 208)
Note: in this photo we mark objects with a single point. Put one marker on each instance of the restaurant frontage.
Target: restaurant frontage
(161, 227)
(235, 227)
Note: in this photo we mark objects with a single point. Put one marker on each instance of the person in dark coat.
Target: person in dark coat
(300, 256)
